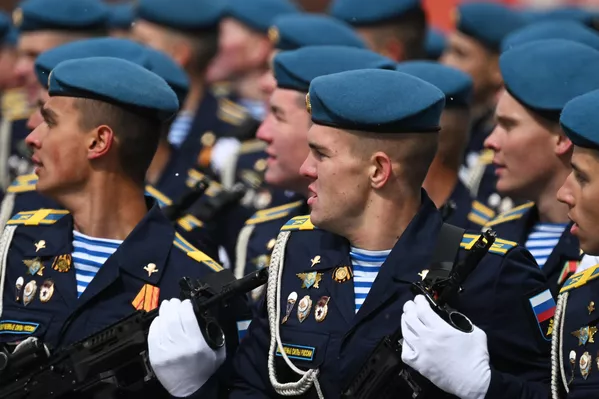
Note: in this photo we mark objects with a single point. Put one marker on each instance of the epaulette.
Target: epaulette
(230, 112)
(189, 222)
(253, 145)
(512, 214)
(195, 253)
(486, 157)
(480, 214)
(279, 212)
(580, 279)
(162, 199)
(299, 223)
(194, 176)
(499, 247)
(23, 184)
(37, 217)
(15, 105)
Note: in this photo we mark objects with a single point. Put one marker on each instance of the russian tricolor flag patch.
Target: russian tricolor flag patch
(543, 307)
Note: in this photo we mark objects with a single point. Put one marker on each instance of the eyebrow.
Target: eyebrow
(48, 114)
(317, 147)
(504, 120)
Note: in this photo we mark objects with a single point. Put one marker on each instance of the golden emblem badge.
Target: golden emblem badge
(41, 244)
(17, 17)
(303, 308)
(308, 104)
(273, 35)
(29, 292)
(322, 309)
(342, 274)
(151, 269)
(62, 263)
(46, 290)
(208, 139)
(34, 266)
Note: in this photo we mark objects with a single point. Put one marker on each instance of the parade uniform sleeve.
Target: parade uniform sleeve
(509, 386)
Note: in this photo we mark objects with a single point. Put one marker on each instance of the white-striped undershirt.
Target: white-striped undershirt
(89, 254)
(542, 240)
(180, 128)
(366, 266)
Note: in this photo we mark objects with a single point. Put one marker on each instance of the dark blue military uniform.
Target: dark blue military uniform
(495, 297)
(516, 225)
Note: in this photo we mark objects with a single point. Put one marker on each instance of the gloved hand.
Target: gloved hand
(179, 355)
(454, 361)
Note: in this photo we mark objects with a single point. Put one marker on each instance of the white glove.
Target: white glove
(454, 361)
(179, 355)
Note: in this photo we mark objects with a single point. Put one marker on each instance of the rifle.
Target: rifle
(115, 359)
(383, 375)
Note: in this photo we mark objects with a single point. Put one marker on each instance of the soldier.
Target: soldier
(69, 273)
(532, 153)
(393, 28)
(42, 25)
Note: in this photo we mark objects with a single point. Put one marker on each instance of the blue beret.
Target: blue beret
(295, 69)
(456, 85)
(121, 16)
(6, 29)
(374, 100)
(488, 23)
(153, 60)
(580, 120)
(568, 30)
(187, 15)
(435, 44)
(259, 14)
(361, 12)
(546, 74)
(293, 31)
(115, 81)
(567, 13)
(36, 15)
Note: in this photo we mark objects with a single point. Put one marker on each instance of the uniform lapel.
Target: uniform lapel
(567, 249)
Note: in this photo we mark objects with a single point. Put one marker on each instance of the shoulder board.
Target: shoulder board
(195, 253)
(37, 217)
(279, 212)
(486, 157)
(299, 223)
(162, 199)
(23, 184)
(189, 222)
(15, 105)
(499, 247)
(480, 214)
(194, 176)
(580, 279)
(230, 112)
(513, 214)
(253, 145)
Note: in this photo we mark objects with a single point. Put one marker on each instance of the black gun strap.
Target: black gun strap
(448, 245)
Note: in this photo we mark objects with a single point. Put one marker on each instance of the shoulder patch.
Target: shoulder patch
(580, 279)
(299, 223)
(15, 105)
(162, 199)
(480, 214)
(279, 212)
(195, 253)
(23, 184)
(250, 146)
(499, 247)
(189, 222)
(230, 112)
(510, 215)
(543, 307)
(194, 176)
(37, 217)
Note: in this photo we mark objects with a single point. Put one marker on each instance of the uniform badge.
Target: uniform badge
(208, 139)
(261, 261)
(303, 308)
(46, 290)
(34, 266)
(423, 274)
(151, 269)
(321, 309)
(62, 263)
(572, 365)
(543, 307)
(271, 244)
(260, 165)
(315, 260)
(310, 280)
(591, 307)
(342, 274)
(18, 288)
(41, 244)
(585, 334)
(585, 364)
(291, 299)
(262, 199)
(29, 292)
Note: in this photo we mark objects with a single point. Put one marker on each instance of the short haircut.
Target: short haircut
(204, 44)
(410, 30)
(454, 136)
(137, 135)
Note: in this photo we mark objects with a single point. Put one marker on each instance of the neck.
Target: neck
(549, 208)
(248, 86)
(383, 223)
(159, 162)
(110, 208)
(197, 88)
(440, 182)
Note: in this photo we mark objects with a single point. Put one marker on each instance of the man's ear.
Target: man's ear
(380, 170)
(100, 142)
(563, 145)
